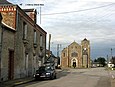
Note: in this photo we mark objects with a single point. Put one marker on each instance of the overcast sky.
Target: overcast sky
(74, 20)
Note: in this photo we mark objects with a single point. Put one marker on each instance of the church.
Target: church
(75, 55)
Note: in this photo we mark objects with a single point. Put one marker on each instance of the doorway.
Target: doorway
(74, 63)
(11, 65)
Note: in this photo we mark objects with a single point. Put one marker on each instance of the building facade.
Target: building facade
(76, 55)
(23, 42)
(6, 52)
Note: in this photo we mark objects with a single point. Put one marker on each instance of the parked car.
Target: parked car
(45, 72)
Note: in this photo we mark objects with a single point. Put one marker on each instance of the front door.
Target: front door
(74, 64)
(11, 65)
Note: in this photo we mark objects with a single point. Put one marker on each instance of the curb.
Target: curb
(15, 83)
(19, 82)
(23, 82)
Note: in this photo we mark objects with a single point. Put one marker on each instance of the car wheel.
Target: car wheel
(36, 79)
(51, 78)
(55, 77)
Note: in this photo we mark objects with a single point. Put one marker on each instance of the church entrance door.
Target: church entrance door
(74, 62)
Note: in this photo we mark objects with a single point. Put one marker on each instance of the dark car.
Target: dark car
(45, 72)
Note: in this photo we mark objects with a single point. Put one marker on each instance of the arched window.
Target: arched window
(63, 54)
(74, 54)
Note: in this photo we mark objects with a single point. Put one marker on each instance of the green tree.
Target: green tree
(101, 61)
(95, 60)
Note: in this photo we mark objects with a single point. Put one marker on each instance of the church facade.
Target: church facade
(75, 55)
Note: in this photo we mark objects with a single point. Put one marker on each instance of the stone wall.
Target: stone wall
(7, 44)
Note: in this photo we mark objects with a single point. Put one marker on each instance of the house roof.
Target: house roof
(29, 10)
(4, 2)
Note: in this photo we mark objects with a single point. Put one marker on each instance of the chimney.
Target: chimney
(32, 13)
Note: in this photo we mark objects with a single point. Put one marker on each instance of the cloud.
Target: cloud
(99, 0)
(97, 25)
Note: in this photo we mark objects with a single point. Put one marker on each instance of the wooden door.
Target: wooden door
(11, 65)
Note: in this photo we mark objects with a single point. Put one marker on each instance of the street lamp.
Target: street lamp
(111, 52)
(40, 11)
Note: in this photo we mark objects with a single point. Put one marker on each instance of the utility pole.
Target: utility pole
(58, 49)
(49, 45)
(111, 55)
(111, 52)
(58, 52)
(40, 11)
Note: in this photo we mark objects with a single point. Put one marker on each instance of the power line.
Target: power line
(94, 19)
(80, 10)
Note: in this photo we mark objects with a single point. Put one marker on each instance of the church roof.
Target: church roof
(85, 39)
(74, 43)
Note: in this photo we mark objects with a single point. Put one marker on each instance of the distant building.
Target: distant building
(112, 60)
(23, 42)
(76, 55)
(51, 59)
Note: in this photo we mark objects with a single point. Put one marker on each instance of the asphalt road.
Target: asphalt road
(94, 77)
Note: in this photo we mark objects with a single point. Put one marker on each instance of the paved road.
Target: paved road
(94, 77)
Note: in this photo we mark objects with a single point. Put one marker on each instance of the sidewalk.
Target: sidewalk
(13, 83)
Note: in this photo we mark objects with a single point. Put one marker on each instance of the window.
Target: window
(74, 54)
(35, 37)
(63, 54)
(26, 61)
(76, 47)
(24, 30)
(41, 40)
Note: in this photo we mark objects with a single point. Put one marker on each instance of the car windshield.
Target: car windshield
(48, 68)
(41, 68)
(44, 68)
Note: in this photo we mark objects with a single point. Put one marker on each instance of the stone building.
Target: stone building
(76, 55)
(6, 52)
(23, 42)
